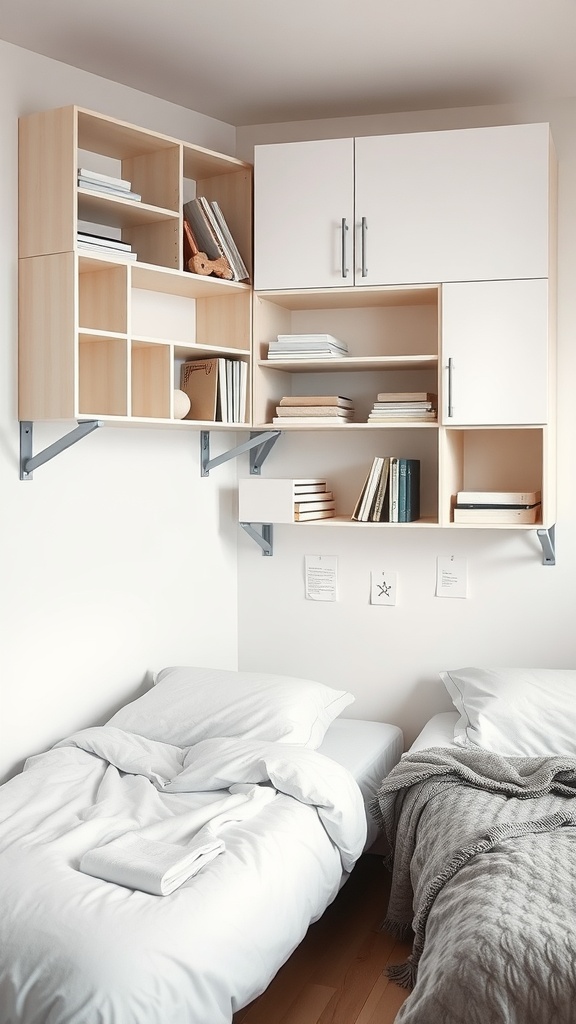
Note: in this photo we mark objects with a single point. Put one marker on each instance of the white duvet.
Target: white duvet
(76, 949)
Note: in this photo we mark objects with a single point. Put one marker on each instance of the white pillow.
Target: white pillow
(517, 712)
(191, 704)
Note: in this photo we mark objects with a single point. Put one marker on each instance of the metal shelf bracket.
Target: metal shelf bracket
(259, 446)
(547, 540)
(29, 462)
(263, 539)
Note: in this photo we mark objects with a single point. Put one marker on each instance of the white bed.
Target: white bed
(76, 949)
(438, 732)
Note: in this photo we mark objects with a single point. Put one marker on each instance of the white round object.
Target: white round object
(181, 404)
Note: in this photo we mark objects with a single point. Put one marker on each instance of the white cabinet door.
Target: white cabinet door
(459, 205)
(495, 340)
(303, 215)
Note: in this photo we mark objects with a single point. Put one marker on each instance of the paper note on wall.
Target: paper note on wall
(451, 577)
(321, 577)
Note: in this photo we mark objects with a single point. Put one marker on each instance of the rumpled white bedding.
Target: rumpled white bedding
(75, 949)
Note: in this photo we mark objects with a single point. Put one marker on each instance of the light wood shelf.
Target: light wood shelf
(101, 335)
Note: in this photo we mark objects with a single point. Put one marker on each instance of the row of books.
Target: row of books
(497, 507)
(390, 406)
(217, 389)
(314, 409)
(206, 232)
(313, 500)
(94, 181)
(306, 346)
(391, 492)
(103, 244)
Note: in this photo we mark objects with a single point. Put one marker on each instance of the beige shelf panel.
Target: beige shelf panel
(353, 298)
(102, 290)
(102, 376)
(351, 363)
(118, 212)
(151, 375)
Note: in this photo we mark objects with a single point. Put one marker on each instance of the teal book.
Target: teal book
(402, 474)
(412, 491)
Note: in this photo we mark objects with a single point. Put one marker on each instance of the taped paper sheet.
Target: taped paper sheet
(321, 577)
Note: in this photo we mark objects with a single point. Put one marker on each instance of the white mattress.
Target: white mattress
(438, 732)
(108, 952)
(369, 750)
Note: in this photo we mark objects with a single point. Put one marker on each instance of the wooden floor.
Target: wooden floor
(336, 975)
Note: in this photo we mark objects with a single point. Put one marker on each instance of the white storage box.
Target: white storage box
(271, 500)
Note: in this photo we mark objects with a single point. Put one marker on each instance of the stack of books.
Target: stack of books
(391, 492)
(217, 389)
(497, 507)
(310, 410)
(107, 184)
(313, 500)
(269, 500)
(207, 233)
(103, 244)
(397, 406)
(306, 346)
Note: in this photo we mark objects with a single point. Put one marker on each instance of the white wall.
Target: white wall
(118, 558)
(519, 612)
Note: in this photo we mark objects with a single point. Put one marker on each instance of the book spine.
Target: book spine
(412, 490)
(393, 497)
(216, 231)
(238, 263)
(402, 472)
(379, 509)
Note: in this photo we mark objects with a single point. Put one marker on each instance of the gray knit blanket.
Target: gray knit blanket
(484, 876)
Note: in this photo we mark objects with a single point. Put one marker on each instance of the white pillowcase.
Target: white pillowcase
(191, 704)
(517, 712)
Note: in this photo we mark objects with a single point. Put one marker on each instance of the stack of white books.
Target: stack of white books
(390, 406)
(521, 507)
(313, 500)
(306, 346)
(102, 244)
(94, 181)
(310, 410)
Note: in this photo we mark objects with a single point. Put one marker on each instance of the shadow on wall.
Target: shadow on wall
(144, 686)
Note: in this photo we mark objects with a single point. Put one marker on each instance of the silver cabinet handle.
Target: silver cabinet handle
(344, 230)
(364, 230)
(450, 407)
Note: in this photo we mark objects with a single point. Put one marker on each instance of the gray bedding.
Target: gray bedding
(484, 875)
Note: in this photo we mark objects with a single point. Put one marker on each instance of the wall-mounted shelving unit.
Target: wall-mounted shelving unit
(103, 336)
(456, 296)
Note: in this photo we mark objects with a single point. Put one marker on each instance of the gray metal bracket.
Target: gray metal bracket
(30, 462)
(264, 539)
(547, 540)
(259, 445)
(261, 450)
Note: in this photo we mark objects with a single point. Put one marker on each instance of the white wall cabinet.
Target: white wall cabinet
(304, 214)
(458, 205)
(495, 352)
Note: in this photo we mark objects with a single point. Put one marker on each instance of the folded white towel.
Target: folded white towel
(147, 864)
(139, 861)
